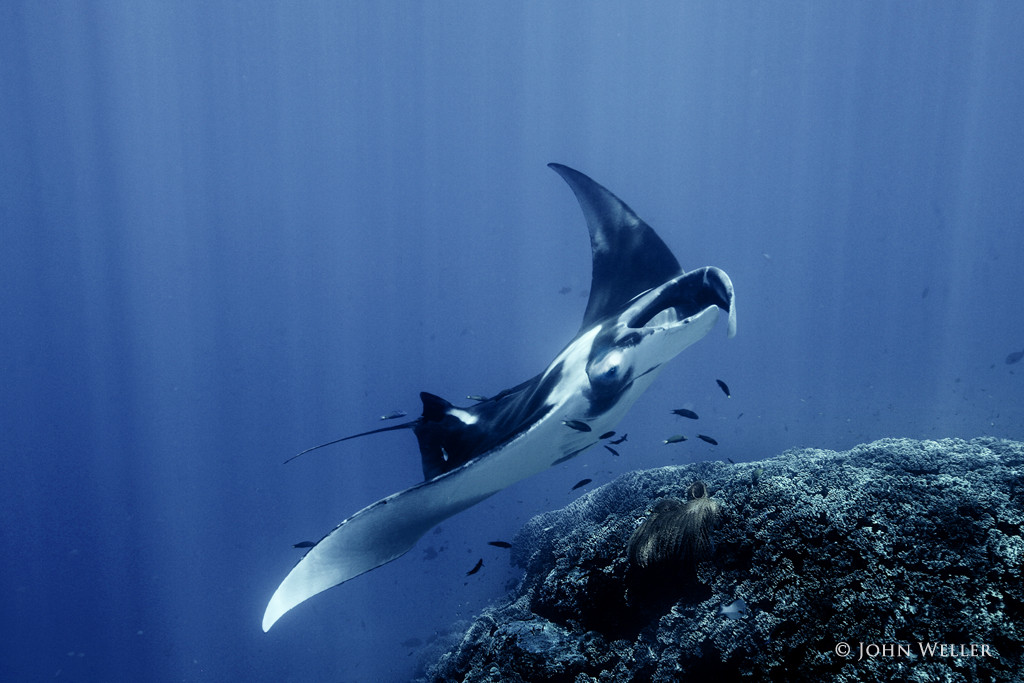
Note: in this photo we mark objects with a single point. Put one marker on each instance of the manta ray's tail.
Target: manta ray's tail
(404, 425)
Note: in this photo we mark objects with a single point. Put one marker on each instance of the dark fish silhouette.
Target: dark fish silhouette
(619, 440)
(1014, 357)
(500, 544)
(304, 544)
(612, 450)
(476, 567)
(578, 425)
(394, 415)
(675, 438)
(683, 412)
(708, 439)
(581, 483)
(607, 435)
(725, 388)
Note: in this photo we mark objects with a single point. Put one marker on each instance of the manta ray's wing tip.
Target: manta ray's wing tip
(279, 604)
(272, 614)
(563, 170)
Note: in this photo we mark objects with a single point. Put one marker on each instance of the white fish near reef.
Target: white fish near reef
(735, 610)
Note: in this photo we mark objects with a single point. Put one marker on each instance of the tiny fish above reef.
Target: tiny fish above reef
(607, 435)
(476, 567)
(578, 425)
(708, 439)
(642, 310)
(581, 483)
(394, 415)
(304, 544)
(616, 442)
(500, 544)
(1014, 357)
(683, 412)
(611, 450)
(675, 438)
(724, 387)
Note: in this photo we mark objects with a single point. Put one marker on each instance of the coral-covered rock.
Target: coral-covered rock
(894, 549)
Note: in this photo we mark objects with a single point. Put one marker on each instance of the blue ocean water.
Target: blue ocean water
(231, 231)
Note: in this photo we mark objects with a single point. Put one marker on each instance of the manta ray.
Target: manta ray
(642, 311)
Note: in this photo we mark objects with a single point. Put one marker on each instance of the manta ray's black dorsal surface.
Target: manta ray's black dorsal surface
(628, 256)
(643, 310)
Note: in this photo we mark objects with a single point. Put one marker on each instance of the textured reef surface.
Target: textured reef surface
(895, 549)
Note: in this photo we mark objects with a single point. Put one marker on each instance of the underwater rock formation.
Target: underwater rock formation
(906, 552)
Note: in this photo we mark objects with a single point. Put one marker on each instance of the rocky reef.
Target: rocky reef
(896, 560)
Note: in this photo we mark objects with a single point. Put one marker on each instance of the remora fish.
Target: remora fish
(642, 311)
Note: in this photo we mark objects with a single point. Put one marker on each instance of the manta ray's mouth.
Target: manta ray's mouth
(685, 297)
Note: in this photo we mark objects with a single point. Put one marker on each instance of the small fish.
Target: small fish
(708, 439)
(616, 442)
(476, 567)
(581, 483)
(734, 610)
(394, 415)
(755, 476)
(611, 450)
(1014, 357)
(565, 290)
(683, 412)
(731, 461)
(675, 438)
(304, 544)
(500, 544)
(924, 293)
(607, 435)
(724, 387)
(578, 425)
(477, 397)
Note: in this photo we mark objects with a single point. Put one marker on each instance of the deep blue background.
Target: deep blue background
(234, 230)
